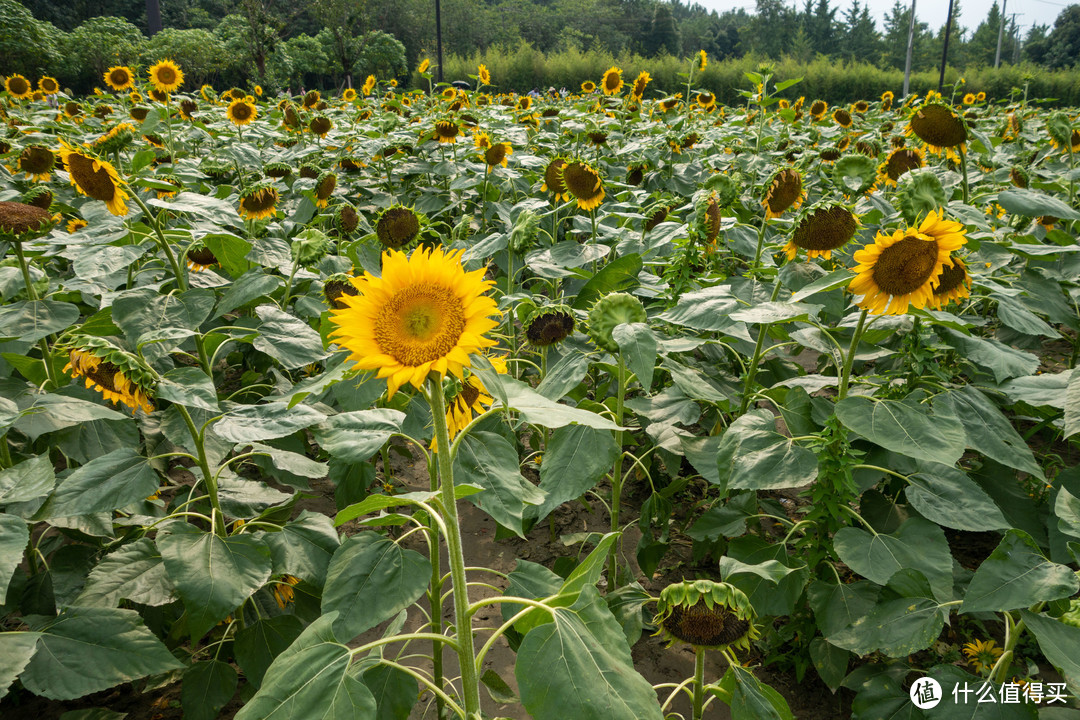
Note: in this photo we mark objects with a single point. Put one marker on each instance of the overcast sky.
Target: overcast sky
(972, 12)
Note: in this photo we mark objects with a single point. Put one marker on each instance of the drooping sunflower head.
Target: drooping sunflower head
(37, 161)
(217, 168)
(939, 126)
(1019, 177)
(21, 222)
(588, 87)
(842, 117)
(424, 315)
(320, 125)
(583, 182)
(953, 283)
(635, 174)
(38, 196)
(899, 162)
(549, 325)
(609, 312)
(345, 219)
(447, 131)
(335, 287)
(784, 192)
(553, 180)
(95, 178)
(424, 65)
(524, 103)
(18, 86)
(311, 99)
(166, 76)
(498, 154)
(902, 269)
(860, 106)
(188, 107)
(116, 374)
(822, 229)
(241, 112)
(707, 217)
(324, 188)
(818, 108)
(706, 100)
(398, 227)
(705, 614)
(174, 183)
(48, 85)
(669, 103)
(369, 85)
(612, 81)
(277, 170)
(200, 257)
(703, 59)
(258, 202)
(640, 83)
(1062, 135)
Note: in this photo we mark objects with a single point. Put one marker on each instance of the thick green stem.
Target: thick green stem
(845, 374)
(434, 590)
(181, 278)
(699, 682)
(760, 244)
(752, 368)
(31, 294)
(616, 476)
(455, 557)
(963, 170)
(204, 466)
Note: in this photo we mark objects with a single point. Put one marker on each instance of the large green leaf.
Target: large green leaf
(260, 642)
(1003, 361)
(588, 673)
(977, 706)
(311, 681)
(564, 376)
(1047, 389)
(212, 574)
(134, 572)
(638, 347)
(33, 320)
(16, 649)
(752, 699)
(371, 579)
(577, 457)
(1059, 642)
(54, 411)
(1072, 405)
(207, 686)
(14, 535)
(905, 429)
(768, 597)
(189, 386)
(989, 431)
(487, 459)
(753, 455)
(102, 485)
(537, 409)
(706, 309)
(86, 650)
(252, 423)
(1032, 203)
(1017, 575)
(29, 480)
(617, 276)
(896, 627)
(950, 498)
(394, 690)
(304, 547)
(917, 544)
(230, 251)
(356, 436)
(287, 339)
(772, 312)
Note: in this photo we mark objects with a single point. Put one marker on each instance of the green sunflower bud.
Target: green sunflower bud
(917, 194)
(523, 235)
(611, 311)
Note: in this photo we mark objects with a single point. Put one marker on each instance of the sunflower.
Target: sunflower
(821, 230)
(48, 85)
(818, 108)
(171, 180)
(1019, 177)
(446, 131)
(75, 224)
(449, 93)
(20, 221)
(903, 269)
(472, 398)
(311, 99)
(37, 162)
(584, 183)
(669, 103)
(397, 227)
(553, 180)
(349, 95)
(705, 614)
(116, 139)
(707, 218)
(860, 106)
(335, 286)
(842, 117)
(969, 99)
(550, 325)
(703, 60)
(18, 86)
(95, 178)
(324, 188)
(39, 196)
(980, 97)
(161, 97)
(112, 372)
(899, 162)
(424, 65)
(638, 90)
(258, 202)
(424, 315)
(483, 75)
(200, 257)
(953, 283)
(1062, 135)
(241, 112)
(498, 154)
(887, 100)
(597, 138)
(983, 654)
(940, 127)
(166, 76)
(785, 193)
(369, 85)
(320, 125)
(588, 86)
(612, 82)
(482, 141)
(706, 100)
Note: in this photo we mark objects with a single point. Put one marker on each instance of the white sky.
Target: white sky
(972, 12)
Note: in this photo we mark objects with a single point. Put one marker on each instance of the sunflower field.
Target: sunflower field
(453, 403)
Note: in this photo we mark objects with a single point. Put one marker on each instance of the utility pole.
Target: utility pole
(910, 44)
(438, 37)
(1016, 35)
(1001, 31)
(945, 48)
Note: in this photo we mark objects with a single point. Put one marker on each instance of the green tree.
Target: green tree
(344, 21)
(1063, 43)
(199, 53)
(982, 48)
(895, 38)
(665, 35)
(861, 40)
(1036, 44)
(819, 25)
(27, 46)
(101, 42)
(770, 28)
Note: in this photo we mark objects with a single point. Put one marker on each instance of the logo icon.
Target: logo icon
(926, 693)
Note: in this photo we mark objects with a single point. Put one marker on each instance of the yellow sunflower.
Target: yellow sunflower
(983, 654)
(369, 85)
(324, 188)
(200, 258)
(703, 60)
(842, 117)
(349, 95)
(166, 76)
(48, 85)
(258, 202)
(18, 86)
(241, 112)
(706, 100)
(584, 183)
(980, 97)
(785, 192)
(424, 65)
(483, 75)
(953, 283)
(472, 398)
(95, 178)
(588, 86)
(903, 269)
(446, 131)
(37, 162)
(553, 180)
(969, 99)
(106, 370)
(76, 224)
(642, 81)
(258, 90)
(940, 127)
(612, 82)
(498, 154)
(821, 231)
(424, 315)
(818, 108)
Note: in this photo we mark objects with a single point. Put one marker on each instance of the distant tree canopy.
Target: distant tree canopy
(288, 43)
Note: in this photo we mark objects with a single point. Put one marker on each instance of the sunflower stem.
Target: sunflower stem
(755, 360)
(434, 593)
(845, 374)
(204, 466)
(699, 682)
(616, 475)
(963, 170)
(168, 126)
(455, 557)
(760, 243)
(31, 294)
(181, 279)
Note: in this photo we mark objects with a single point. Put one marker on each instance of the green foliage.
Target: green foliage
(199, 53)
(27, 46)
(98, 44)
